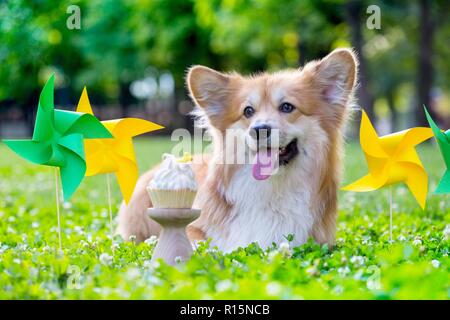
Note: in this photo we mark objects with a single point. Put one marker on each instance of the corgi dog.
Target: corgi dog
(290, 185)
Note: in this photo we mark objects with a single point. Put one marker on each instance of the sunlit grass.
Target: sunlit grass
(363, 264)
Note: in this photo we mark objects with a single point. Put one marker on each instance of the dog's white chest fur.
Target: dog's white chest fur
(265, 211)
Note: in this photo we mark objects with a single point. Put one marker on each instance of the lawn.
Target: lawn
(362, 265)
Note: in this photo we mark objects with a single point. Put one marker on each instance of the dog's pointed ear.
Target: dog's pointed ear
(209, 89)
(336, 76)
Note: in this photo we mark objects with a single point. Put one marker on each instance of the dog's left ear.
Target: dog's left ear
(336, 76)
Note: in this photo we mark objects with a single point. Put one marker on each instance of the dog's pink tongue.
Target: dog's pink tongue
(264, 164)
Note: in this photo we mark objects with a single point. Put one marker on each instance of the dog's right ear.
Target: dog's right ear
(209, 89)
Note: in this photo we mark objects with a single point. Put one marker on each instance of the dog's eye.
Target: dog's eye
(286, 107)
(248, 112)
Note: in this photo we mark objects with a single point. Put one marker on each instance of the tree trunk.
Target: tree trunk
(125, 98)
(394, 114)
(425, 74)
(354, 10)
(29, 109)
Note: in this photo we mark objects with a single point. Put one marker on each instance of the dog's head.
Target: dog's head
(281, 115)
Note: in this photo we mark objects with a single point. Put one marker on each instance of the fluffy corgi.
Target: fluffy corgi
(290, 185)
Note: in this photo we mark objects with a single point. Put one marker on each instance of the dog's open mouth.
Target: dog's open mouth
(267, 160)
(287, 153)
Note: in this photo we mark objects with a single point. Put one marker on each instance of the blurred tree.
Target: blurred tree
(33, 42)
(390, 56)
(127, 40)
(356, 10)
(433, 16)
(252, 35)
(106, 41)
(402, 53)
(425, 64)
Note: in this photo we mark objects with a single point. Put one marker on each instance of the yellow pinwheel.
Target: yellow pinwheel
(115, 155)
(392, 159)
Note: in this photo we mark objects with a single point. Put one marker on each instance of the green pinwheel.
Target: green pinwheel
(443, 140)
(58, 140)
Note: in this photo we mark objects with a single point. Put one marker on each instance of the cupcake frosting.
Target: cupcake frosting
(174, 174)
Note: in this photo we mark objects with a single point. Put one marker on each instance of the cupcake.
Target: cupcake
(173, 185)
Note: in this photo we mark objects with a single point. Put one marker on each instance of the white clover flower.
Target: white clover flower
(312, 271)
(67, 205)
(147, 264)
(435, 263)
(236, 264)
(133, 273)
(84, 244)
(272, 255)
(401, 238)
(344, 270)
(338, 289)
(447, 232)
(285, 249)
(106, 259)
(211, 250)
(223, 285)
(34, 272)
(78, 229)
(152, 240)
(132, 238)
(284, 245)
(273, 288)
(358, 275)
(357, 261)
(417, 242)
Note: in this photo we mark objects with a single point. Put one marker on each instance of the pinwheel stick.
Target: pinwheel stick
(57, 206)
(111, 230)
(390, 213)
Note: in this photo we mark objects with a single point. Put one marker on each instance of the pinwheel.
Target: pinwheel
(392, 159)
(443, 140)
(115, 155)
(58, 141)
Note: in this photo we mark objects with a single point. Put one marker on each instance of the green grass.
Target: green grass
(362, 265)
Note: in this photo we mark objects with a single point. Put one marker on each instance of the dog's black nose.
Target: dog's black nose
(261, 131)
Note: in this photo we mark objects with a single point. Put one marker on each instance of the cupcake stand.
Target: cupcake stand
(173, 241)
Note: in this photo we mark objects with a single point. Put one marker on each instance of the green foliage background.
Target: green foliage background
(124, 40)
(415, 266)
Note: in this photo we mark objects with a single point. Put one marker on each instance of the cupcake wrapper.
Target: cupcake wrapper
(172, 199)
